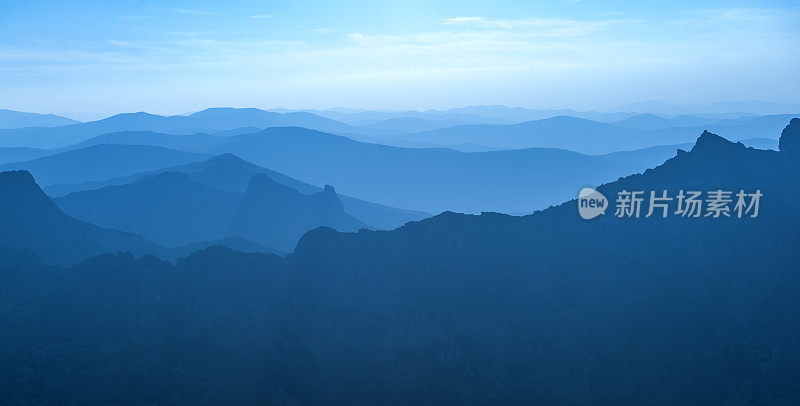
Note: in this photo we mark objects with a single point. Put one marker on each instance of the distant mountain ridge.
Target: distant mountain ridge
(31, 220)
(277, 216)
(673, 300)
(209, 120)
(169, 209)
(592, 137)
(230, 173)
(10, 119)
(429, 180)
(654, 122)
(571, 133)
(100, 162)
(198, 142)
(173, 210)
(547, 308)
(751, 107)
(19, 154)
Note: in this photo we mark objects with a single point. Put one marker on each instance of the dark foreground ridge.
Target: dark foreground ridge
(541, 309)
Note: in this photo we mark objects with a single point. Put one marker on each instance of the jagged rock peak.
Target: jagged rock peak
(790, 138)
(712, 142)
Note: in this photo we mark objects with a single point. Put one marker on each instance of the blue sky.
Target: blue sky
(174, 57)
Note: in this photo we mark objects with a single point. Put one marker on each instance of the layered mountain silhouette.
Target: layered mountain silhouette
(30, 220)
(430, 180)
(237, 131)
(368, 118)
(230, 173)
(184, 142)
(712, 163)
(277, 216)
(751, 107)
(206, 121)
(417, 124)
(672, 299)
(224, 172)
(592, 137)
(10, 119)
(171, 209)
(100, 162)
(231, 118)
(655, 122)
(575, 134)
(542, 309)
(17, 154)
(494, 114)
(491, 126)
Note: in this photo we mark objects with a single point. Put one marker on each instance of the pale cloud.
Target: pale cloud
(262, 16)
(184, 11)
(461, 20)
(554, 27)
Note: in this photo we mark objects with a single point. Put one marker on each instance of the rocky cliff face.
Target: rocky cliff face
(277, 216)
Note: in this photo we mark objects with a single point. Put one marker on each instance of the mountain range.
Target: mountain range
(30, 220)
(277, 216)
(101, 162)
(206, 121)
(496, 127)
(592, 137)
(429, 180)
(17, 154)
(654, 122)
(726, 107)
(422, 179)
(171, 209)
(547, 308)
(498, 114)
(10, 119)
(228, 172)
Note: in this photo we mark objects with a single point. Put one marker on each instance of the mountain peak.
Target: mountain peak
(790, 138)
(329, 190)
(225, 158)
(16, 179)
(712, 142)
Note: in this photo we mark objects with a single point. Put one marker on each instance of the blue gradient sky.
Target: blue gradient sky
(175, 57)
